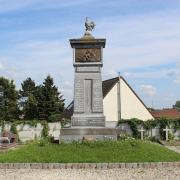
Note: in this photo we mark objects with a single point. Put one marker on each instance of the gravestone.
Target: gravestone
(142, 133)
(167, 131)
(88, 118)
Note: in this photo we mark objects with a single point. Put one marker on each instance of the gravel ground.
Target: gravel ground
(67, 174)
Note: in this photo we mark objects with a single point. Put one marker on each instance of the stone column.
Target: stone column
(88, 97)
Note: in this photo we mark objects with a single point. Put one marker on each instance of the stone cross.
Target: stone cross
(142, 133)
(166, 130)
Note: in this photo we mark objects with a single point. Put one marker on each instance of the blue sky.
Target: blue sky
(143, 43)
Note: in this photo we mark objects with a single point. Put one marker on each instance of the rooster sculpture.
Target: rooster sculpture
(89, 26)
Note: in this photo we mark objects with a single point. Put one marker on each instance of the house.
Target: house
(170, 113)
(119, 102)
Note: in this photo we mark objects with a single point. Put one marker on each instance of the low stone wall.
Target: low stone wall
(27, 132)
(88, 165)
(153, 132)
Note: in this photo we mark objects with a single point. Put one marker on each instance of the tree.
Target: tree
(8, 100)
(28, 87)
(50, 101)
(177, 105)
(28, 100)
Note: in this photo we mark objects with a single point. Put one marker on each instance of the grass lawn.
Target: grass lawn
(118, 151)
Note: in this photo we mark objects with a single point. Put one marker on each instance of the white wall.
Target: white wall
(131, 106)
(27, 132)
(154, 132)
(110, 105)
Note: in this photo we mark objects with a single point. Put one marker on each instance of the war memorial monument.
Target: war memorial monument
(88, 120)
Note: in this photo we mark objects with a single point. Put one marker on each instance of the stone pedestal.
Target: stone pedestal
(94, 133)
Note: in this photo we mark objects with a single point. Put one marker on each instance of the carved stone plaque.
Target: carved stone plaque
(88, 55)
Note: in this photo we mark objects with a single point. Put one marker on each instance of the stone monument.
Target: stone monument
(88, 98)
(88, 118)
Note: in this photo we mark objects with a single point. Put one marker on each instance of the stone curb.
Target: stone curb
(88, 165)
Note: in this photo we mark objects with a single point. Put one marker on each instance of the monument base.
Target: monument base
(88, 120)
(80, 133)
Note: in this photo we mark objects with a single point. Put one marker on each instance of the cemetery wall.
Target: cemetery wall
(152, 132)
(28, 132)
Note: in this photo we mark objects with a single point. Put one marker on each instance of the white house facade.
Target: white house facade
(121, 102)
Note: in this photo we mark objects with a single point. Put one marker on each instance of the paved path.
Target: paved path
(72, 174)
(174, 148)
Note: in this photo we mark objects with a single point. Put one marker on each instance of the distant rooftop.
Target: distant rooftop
(168, 113)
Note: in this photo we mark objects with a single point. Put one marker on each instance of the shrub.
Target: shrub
(170, 136)
(13, 128)
(4, 141)
(65, 122)
(123, 136)
(153, 139)
(54, 118)
(43, 142)
(45, 130)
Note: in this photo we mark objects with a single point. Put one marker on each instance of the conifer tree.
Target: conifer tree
(8, 100)
(28, 87)
(177, 104)
(28, 99)
(50, 101)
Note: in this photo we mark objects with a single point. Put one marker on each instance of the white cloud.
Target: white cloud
(8, 70)
(177, 81)
(174, 73)
(148, 90)
(140, 40)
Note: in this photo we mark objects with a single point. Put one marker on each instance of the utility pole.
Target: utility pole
(119, 97)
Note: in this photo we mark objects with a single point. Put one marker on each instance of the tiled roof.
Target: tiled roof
(107, 85)
(168, 113)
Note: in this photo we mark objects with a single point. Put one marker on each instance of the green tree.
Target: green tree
(28, 87)
(50, 100)
(8, 100)
(177, 104)
(28, 100)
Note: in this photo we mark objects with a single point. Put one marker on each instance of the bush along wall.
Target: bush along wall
(45, 130)
(161, 123)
